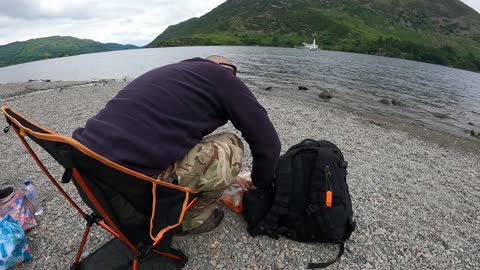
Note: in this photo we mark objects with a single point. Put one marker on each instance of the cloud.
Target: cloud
(475, 4)
(137, 22)
(127, 20)
(43, 9)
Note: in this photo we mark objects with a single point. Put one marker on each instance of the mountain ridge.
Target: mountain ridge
(52, 47)
(445, 32)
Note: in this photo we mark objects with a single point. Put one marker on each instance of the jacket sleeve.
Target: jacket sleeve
(251, 119)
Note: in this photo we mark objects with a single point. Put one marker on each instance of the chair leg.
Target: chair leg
(82, 245)
(135, 264)
(168, 255)
(174, 254)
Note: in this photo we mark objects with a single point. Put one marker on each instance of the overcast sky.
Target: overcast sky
(122, 21)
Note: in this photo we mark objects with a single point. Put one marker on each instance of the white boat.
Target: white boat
(311, 47)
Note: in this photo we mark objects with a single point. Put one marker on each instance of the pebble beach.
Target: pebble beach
(415, 192)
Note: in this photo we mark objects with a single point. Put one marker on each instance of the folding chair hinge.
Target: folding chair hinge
(92, 219)
(144, 250)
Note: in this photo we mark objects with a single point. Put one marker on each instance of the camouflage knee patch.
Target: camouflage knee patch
(210, 167)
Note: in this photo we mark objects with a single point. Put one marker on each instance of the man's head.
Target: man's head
(223, 61)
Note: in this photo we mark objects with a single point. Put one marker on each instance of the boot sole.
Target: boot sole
(180, 237)
(183, 237)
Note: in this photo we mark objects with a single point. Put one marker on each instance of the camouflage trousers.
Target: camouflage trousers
(209, 167)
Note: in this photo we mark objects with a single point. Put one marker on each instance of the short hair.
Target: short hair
(219, 59)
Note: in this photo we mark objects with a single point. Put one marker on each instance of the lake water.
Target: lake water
(358, 82)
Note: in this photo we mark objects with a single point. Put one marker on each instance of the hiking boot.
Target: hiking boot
(212, 223)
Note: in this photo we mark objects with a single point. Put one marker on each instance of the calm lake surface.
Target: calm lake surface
(358, 82)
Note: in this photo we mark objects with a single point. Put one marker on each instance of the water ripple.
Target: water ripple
(357, 81)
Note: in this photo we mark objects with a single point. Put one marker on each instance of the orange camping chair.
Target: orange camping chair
(141, 212)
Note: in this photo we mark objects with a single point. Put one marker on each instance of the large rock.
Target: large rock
(325, 95)
(397, 103)
(377, 123)
(385, 101)
(440, 115)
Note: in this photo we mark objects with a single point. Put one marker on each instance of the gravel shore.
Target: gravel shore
(415, 199)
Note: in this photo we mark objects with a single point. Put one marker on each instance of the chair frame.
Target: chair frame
(104, 220)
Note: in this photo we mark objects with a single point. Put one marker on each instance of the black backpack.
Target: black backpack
(309, 202)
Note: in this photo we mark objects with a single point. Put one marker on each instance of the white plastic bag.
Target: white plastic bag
(233, 196)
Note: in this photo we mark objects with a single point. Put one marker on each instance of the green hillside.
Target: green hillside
(445, 32)
(52, 47)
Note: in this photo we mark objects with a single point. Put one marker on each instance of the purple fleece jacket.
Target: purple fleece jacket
(157, 118)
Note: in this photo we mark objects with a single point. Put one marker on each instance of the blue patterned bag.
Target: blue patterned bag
(14, 248)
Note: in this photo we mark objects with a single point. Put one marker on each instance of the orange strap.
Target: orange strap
(154, 206)
(185, 207)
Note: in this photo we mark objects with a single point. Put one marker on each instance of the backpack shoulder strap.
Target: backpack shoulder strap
(287, 165)
(341, 250)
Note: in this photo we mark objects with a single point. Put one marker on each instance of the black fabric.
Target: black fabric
(24, 122)
(126, 199)
(256, 204)
(5, 192)
(304, 175)
(67, 176)
(114, 255)
(61, 152)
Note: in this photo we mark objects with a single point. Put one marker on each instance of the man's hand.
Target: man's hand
(244, 184)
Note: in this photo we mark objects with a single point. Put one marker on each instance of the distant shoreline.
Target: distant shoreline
(239, 45)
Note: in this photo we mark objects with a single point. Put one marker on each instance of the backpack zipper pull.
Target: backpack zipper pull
(329, 197)
(328, 187)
